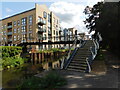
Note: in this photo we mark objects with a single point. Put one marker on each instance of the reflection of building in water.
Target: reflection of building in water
(51, 65)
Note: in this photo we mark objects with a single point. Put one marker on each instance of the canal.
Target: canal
(13, 77)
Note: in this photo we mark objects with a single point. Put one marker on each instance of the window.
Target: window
(14, 23)
(30, 19)
(44, 29)
(18, 22)
(48, 28)
(30, 28)
(23, 29)
(23, 21)
(57, 21)
(14, 38)
(54, 32)
(15, 30)
(44, 14)
(4, 39)
(2, 27)
(48, 17)
(4, 32)
(18, 30)
(18, 37)
(57, 33)
(40, 19)
(53, 19)
(30, 35)
(44, 38)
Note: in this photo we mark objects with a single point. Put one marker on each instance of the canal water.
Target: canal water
(15, 76)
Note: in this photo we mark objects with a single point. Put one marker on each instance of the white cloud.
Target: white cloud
(71, 14)
(8, 10)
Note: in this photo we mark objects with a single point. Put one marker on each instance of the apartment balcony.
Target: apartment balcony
(41, 22)
(44, 38)
(49, 32)
(10, 40)
(23, 41)
(49, 39)
(10, 26)
(9, 33)
(24, 32)
(40, 30)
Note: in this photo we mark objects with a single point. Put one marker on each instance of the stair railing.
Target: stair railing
(93, 50)
(88, 64)
(69, 55)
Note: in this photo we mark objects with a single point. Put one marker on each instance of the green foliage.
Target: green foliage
(9, 62)
(11, 56)
(51, 80)
(9, 51)
(100, 56)
(53, 50)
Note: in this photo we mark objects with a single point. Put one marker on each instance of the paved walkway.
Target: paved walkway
(104, 75)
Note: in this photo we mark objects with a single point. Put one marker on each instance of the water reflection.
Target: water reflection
(14, 76)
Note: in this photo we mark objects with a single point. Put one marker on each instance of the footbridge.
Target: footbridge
(83, 55)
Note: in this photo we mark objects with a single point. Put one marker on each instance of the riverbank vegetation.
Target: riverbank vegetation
(11, 56)
(53, 50)
(51, 80)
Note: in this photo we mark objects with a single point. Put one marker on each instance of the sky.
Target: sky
(70, 12)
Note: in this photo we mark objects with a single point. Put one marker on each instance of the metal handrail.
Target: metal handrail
(89, 67)
(68, 56)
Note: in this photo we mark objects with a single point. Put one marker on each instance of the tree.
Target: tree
(105, 18)
(92, 16)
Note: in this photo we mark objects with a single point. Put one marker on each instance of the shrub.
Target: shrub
(11, 56)
(9, 51)
(8, 62)
(51, 80)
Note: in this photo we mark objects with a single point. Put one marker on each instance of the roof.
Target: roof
(18, 14)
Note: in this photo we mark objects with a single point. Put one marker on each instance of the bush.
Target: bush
(53, 50)
(9, 51)
(11, 56)
(8, 62)
(100, 55)
(51, 80)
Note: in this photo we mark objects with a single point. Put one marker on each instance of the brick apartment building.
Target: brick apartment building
(38, 24)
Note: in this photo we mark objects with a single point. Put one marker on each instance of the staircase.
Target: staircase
(79, 62)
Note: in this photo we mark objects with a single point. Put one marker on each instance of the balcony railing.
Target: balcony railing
(10, 26)
(24, 32)
(40, 30)
(44, 38)
(10, 40)
(41, 21)
(9, 33)
(49, 32)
